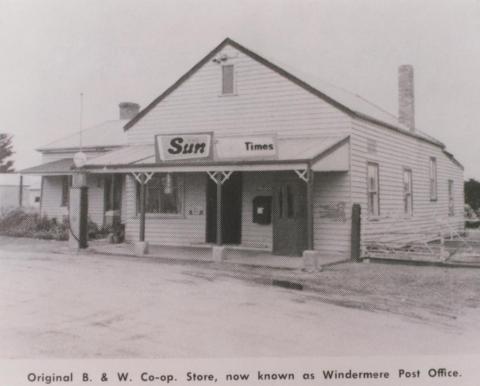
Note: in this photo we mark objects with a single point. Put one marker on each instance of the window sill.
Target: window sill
(227, 95)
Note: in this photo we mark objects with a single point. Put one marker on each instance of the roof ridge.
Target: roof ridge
(346, 107)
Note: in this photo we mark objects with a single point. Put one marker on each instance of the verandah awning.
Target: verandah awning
(320, 153)
(54, 168)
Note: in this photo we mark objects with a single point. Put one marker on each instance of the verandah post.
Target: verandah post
(355, 252)
(20, 192)
(219, 208)
(310, 198)
(142, 210)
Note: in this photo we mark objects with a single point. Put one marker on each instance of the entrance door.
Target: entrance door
(231, 210)
(289, 214)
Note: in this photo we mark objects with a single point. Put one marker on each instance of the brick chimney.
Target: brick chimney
(128, 110)
(406, 96)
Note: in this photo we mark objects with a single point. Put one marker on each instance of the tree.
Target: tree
(472, 193)
(6, 150)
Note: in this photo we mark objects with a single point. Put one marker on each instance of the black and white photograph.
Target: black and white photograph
(265, 186)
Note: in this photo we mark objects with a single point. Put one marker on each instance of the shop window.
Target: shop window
(407, 192)
(373, 190)
(163, 194)
(451, 201)
(228, 81)
(66, 184)
(433, 178)
(113, 192)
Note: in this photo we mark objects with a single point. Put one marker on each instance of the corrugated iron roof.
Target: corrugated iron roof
(59, 167)
(105, 134)
(288, 149)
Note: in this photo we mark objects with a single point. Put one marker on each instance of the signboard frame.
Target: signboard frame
(159, 156)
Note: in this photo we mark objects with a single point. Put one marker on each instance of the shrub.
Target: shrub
(18, 223)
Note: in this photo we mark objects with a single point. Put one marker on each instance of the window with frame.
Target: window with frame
(66, 184)
(433, 178)
(373, 189)
(451, 201)
(228, 79)
(163, 194)
(407, 192)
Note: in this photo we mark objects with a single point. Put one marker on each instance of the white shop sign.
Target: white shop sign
(182, 146)
(246, 147)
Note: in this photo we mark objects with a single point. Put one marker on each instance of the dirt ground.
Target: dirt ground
(54, 303)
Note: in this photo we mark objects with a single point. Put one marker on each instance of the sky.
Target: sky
(116, 50)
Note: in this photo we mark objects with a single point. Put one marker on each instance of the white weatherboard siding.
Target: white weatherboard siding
(186, 229)
(395, 151)
(332, 213)
(255, 235)
(264, 102)
(96, 199)
(52, 198)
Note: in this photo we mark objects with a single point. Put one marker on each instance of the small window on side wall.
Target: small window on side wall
(451, 201)
(373, 190)
(407, 192)
(433, 179)
(228, 79)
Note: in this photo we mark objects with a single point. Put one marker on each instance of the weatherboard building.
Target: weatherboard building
(241, 152)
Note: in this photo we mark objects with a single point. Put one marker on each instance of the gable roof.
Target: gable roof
(105, 134)
(350, 103)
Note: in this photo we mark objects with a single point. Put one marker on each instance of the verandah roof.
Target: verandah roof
(60, 167)
(321, 153)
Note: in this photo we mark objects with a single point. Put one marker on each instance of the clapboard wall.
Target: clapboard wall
(264, 101)
(332, 213)
(52, 198)
(393, 152)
